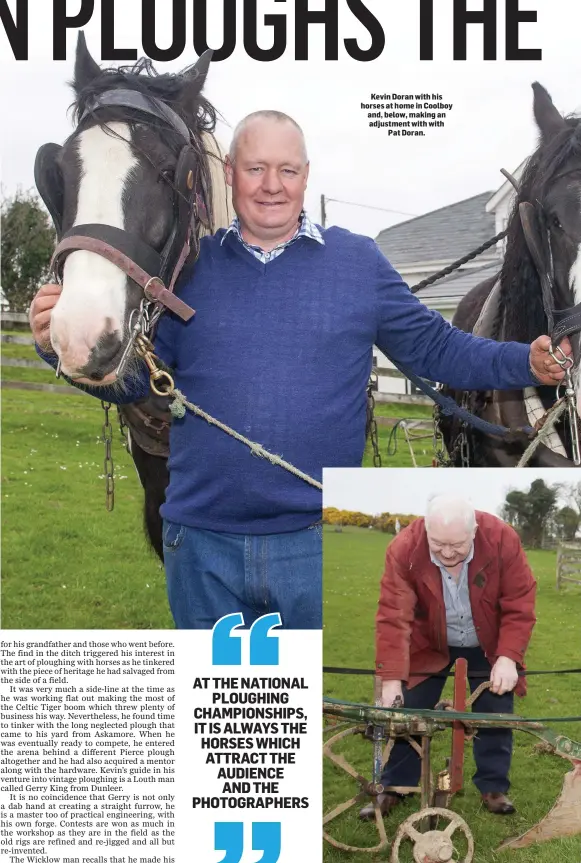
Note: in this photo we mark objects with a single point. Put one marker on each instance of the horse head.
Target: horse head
(124, 191)
(550, 215)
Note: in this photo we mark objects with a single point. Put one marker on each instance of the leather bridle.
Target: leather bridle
(537, 231)
(155, 272)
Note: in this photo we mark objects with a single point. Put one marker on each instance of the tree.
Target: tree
(27, 245)
(567, 520)
(573, 494)
(530, 513)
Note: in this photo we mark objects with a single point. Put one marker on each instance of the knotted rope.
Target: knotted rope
(178, 410)
(549, 421)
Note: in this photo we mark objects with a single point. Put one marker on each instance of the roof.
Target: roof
(442, 235)
(449, 291)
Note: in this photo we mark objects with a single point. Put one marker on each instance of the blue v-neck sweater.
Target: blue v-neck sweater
(281, 352)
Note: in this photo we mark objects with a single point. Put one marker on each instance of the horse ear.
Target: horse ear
(85, 67)
(194, 80)
(549, 120)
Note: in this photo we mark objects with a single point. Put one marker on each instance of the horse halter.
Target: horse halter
(156, 273)
(562, 322)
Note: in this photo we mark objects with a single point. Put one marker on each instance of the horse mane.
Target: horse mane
(520, 311)
(167, 87)
(222, 210)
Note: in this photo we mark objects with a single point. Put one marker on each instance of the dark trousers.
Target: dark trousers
(492, 746)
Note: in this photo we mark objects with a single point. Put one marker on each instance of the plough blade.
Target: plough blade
(564, 819)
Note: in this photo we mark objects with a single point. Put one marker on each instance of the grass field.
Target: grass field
(66, 562)
(353, 563)
(422, 449)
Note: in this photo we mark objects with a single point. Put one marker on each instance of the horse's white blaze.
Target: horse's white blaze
(93, 298)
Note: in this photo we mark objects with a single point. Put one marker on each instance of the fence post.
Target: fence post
(569, 563)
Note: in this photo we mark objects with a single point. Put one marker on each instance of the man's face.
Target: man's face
(268, 178)
(449, 543)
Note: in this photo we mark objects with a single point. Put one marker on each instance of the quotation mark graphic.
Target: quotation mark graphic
(227, 645)
(229, 837)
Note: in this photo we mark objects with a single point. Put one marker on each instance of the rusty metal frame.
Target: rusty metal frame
(388, 724)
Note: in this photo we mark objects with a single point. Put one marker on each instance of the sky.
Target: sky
(407, 490)
(489, 127)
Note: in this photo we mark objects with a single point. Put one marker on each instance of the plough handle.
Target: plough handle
(427, 722)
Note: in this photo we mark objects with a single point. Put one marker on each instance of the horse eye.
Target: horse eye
(168, 174)
(555, 222)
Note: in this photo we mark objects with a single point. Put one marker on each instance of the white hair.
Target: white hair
(274, 116)
(448, 508)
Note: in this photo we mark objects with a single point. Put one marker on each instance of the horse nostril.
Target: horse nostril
(102, 358)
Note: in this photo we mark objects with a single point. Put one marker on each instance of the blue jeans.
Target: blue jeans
(212, 574)
(492, 746)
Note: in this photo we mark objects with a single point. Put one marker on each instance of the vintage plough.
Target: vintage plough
(431, 842)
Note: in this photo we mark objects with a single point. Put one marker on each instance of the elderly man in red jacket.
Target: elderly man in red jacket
(456, 584)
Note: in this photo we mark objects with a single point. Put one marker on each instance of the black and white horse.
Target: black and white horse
(542, 258)
(132, 190)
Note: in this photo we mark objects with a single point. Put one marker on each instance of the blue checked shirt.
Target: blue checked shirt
(459, 623)
(306, 228)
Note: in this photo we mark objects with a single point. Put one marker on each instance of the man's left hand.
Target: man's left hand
(504, 675)
(543, 366)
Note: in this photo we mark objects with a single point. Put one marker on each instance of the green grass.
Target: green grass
(32, 375)
(422, 449)
(20, 352)
(66, 562)
(353, 564)
(44, 375)
(386, 409)
(401, 457)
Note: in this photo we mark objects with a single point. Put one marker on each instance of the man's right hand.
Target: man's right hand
(391, 693)
(40, 313)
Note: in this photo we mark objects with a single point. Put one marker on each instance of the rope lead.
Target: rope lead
(178, 409)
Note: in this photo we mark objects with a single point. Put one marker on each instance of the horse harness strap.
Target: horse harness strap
(125, 98)
(567, 321)
(156, 273)
(561, 322)
(99, 239)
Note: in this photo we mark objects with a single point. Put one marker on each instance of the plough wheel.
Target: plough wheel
(363, 796)
(435, 846)
(383, 840)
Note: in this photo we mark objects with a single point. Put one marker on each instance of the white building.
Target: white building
(426, 244)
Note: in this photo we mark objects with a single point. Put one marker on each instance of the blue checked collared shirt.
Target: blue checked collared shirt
(459, 623)
(306, 228)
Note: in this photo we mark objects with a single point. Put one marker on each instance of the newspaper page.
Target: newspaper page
(161, 672)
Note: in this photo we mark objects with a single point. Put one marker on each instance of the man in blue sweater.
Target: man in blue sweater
(280, 350)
